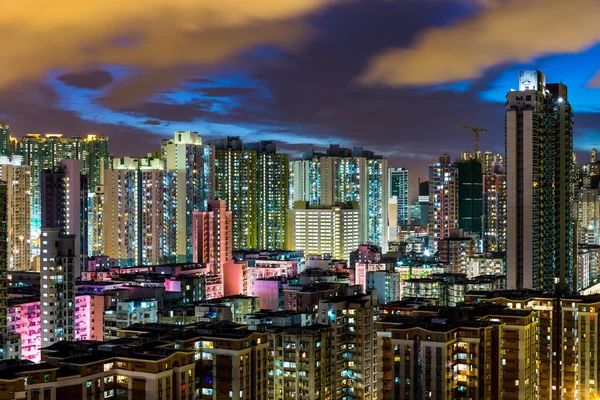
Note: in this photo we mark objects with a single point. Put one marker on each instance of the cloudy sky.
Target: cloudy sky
(393, 76)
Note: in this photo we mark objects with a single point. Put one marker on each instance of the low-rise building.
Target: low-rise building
(230, 308)
(126, 313)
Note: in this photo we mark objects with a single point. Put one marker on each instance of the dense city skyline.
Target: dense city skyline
(311, 199)
(317, 72)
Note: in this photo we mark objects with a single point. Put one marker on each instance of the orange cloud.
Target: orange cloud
(37, 35)
(503, 31)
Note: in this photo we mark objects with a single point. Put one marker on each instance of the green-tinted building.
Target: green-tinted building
(5, 147)
(254, 181)
(42, 153)
(470, 196)
(272, 184)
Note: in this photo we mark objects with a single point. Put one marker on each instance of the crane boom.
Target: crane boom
(476, 132)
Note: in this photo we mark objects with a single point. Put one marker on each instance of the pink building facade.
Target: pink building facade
(265, 269)
(213, 286)
(211, 235)
(361, 270)
(88, 317)
(235, 278)
(268, 290)
(24, 319)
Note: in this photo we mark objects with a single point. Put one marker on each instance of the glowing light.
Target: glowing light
(560, 99)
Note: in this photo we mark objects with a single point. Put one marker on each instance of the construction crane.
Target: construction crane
(476, 132)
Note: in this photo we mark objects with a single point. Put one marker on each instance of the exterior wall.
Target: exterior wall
(194, 166)
(235, 278)
(140, 225)
(268, 291)
(344, 175)
(18, 208)
(443, 197)
(317, 231)
(212, 236)
(57, 266)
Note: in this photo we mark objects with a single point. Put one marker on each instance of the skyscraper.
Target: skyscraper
(494, 213)
(212, 235)
(588, 216)
(272, 184)
(194, 167)
(360, 354)
(235, 182)
(470, 196)
(254, 181)
(140, 224)
(347, 175)
(18, 200)
(58, 263)
(5, 147)
(64, 204)
(443, 196)
(539, 169)
(95, 158)
(398, 187)
(3, 264)
(96, 220)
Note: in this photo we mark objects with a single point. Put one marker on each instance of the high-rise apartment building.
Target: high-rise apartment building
(18, 202)
(43, 153)
(356, 354)
(588, 216)
(302, 369)
(443, 198)
(194, 167)
(317, 230)
(567, 344)
(96, 220)
(398, 187)
(494, 213)
(480, 352)
(539, 179)
(235, 182)
(347, 175)
(140, 212)
(64, 203)
(3, 266)
(456, 251)
(58, 262)
(212, 236)
(254, 181)
(272, 185)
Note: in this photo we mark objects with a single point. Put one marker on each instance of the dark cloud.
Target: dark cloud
(313, 95)
(35, 108)
(317, 89)
(170, 112)
(90, 79)
(226, 91)
(200, 80)
(142, 85)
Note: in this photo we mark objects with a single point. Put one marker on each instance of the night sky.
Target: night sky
(391, 76)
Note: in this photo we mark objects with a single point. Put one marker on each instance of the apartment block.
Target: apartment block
(356, 351)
